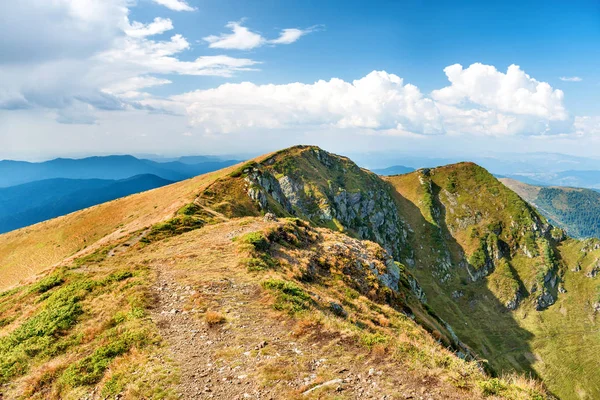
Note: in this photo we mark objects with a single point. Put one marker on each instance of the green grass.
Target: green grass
(289, 297)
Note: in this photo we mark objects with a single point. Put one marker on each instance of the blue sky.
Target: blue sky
(93, 77)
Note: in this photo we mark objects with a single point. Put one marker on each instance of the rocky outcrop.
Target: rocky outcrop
(369, 211)
(513, 303)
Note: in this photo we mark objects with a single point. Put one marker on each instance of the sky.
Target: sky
(183, 77)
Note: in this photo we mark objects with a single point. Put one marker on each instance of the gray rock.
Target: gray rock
(338, 310)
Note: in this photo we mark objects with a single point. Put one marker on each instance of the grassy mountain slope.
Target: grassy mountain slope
(188, 314)
(33, 202)
(574, 209)
(509, 290)
(179, 293)
(28, 251)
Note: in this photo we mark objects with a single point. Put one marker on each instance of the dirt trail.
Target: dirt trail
(253, 355)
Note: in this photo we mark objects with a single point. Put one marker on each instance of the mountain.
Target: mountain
(394, 170)
(586, 179)
(33, 202)
(109, 167)
(574, 209)
(299, 274)
(498, 163)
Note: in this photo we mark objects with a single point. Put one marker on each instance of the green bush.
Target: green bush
(90, 370)
(289, 296)
(40, 332)
(47, 283)
(258, 240)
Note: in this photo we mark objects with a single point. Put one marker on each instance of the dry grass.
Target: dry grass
(213, 318)
(28, 251)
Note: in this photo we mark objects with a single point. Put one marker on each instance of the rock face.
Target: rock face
(513, 303)
(367, 208)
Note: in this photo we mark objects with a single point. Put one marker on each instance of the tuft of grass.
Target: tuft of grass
(40, 332)
(289, 297)
(47, 283)
(214, 318)
(90, 369)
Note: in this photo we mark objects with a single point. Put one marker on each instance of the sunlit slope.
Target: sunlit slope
(26, 252)
(506, 280)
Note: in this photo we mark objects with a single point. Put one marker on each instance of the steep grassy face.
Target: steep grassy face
(501, 276)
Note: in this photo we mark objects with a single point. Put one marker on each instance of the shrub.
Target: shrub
(289, 296)
(214, 318)
(189, 209)
(90, 370)
(47, 283)
(258, 240)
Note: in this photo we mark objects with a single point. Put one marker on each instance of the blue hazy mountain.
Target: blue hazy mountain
(107, 167)
(393, 170)
(33, 202)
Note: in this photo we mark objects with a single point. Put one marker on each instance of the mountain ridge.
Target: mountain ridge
(489, 271)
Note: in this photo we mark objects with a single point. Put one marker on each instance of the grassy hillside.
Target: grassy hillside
(483, 226)
(28, 251)
(409, 286)
(288, 308)
(574, 209)
(323, 316)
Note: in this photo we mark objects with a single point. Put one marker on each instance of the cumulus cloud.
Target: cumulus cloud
(378, 102)
(587, 126)
(58, 28)
(90, 57)
(158, 26)
(570, 79)
(242, 38)
(481, 99)
(290, 35)
(175, 5)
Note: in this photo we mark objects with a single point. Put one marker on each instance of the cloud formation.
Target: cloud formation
(483, 100)
(158, 26)
(480, 100)
(379, 102)
(242, 38)
(570, 79)
(88, 56)
(175, 5)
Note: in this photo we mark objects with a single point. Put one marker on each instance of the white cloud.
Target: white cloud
(587, 126)
(175, 5)
(158, 26)
(483, 100)
(242, 38)
(41, 30)
(378, 102)
(290, 35)
(570, 79)
(99, 59)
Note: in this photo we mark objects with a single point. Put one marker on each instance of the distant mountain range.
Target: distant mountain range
(394, 170)
(107, 167)
(27, 204)
(576, 210)
(34, 192)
